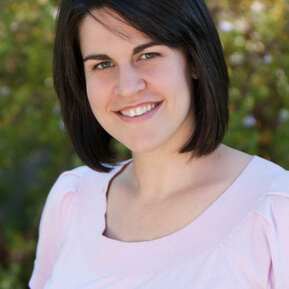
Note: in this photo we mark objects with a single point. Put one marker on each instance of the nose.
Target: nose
(129, 81)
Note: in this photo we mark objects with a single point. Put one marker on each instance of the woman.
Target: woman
(185, 211)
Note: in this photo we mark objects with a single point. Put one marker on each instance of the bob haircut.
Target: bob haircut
(184, 24)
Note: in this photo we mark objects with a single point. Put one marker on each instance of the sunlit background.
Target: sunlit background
(34, 148)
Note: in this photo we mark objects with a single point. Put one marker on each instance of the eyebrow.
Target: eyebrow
(136, 50)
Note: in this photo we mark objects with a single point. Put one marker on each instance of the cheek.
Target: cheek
(97, 94)
(175, 82)
(171, 74)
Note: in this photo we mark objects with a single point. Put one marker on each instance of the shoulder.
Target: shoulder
(272, 206)
(264, 190)
(72, 188)
(66, 187)
(57, 217)
(273, 212)
(61, 198)
(262, 231)
(69, 180)
(71, 183)
(274, 178)
(275, 202)
(262, 176)
(266, 167)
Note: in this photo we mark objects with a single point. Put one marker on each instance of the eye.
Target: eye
(148, 55)
(103, 65)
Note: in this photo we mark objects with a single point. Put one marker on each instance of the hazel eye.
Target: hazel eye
(103, 65)
(148, 55)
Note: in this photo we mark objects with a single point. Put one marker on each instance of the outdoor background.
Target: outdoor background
(34, 148)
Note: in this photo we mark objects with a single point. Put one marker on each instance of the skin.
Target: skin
(161, 191)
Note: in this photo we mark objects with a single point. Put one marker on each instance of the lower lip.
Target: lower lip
(142, 117)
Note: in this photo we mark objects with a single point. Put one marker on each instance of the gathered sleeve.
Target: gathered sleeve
(58, 209)
(275, 210)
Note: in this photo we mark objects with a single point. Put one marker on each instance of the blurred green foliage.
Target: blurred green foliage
(34, 148)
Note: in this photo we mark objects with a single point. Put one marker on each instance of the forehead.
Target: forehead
(105, 26)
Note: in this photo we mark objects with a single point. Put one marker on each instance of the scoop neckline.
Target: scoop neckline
(122, 167)
(113, 257)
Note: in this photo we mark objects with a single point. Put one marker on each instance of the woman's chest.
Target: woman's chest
(214, 269)
(129, 219)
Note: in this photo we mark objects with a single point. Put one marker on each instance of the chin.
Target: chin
(139, 149)
(138, 145)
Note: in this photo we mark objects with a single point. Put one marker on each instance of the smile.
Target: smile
(137, 111)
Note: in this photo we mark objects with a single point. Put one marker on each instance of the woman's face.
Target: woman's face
(140, 91)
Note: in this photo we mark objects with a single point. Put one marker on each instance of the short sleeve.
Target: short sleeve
(275, 209)
(60, 204)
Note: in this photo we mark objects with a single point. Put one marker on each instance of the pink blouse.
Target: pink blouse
(240, 241)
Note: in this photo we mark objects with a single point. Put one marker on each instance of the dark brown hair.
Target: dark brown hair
(184, 24)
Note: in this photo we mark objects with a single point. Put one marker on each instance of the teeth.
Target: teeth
(138, 110)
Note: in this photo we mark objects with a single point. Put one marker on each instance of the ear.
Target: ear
(194, 73)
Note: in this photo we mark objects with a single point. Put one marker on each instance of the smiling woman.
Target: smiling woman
(134, 84)
(196, 36)
(152, 75)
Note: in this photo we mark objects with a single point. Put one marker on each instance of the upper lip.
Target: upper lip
(132, 106)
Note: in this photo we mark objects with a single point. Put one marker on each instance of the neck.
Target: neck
(157, 176)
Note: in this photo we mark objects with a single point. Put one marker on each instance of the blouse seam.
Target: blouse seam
(74, 172)
(231, 235)
(241, 223)
(266, 196)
